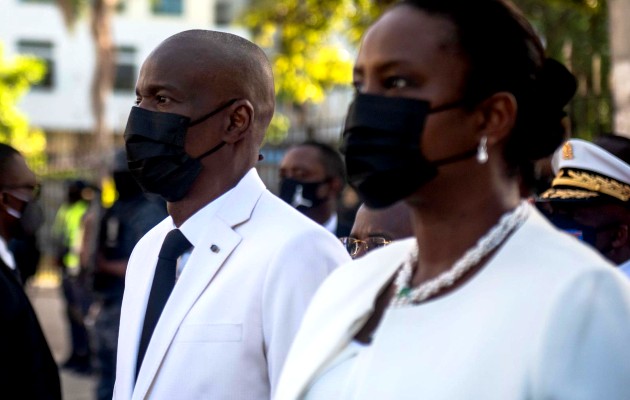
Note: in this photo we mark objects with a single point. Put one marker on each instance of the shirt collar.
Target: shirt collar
(194, 226)
(331, 224)
(6, 255)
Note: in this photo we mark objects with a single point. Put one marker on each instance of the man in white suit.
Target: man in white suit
(204, 101)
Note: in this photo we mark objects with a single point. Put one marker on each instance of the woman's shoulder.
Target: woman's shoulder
(546, 248)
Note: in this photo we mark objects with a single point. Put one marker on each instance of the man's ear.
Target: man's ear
(336, 185)
(622, 237)
(241, 120)
(498, 116)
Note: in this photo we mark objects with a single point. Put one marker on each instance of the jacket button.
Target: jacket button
(214, 248)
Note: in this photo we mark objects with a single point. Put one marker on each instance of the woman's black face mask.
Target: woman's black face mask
(155, 151)
(382, 135)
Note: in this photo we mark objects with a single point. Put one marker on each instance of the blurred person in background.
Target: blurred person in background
(377, 227)
(130, 217)
(25, 245)
(312, 178)
(68, 231)
(590, 196)
(27, 368)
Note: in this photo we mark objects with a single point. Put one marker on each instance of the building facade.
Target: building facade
(60, 104)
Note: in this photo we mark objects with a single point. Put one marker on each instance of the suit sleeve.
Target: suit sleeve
(585, 354)
(295, 273)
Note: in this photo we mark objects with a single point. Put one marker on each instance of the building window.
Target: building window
(125, 78)
(222, 13)
(44, 51)
(172, 7)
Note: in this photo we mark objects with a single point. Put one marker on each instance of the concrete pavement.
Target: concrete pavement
(47, 299)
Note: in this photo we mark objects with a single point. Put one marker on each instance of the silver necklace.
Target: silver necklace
(406, 296)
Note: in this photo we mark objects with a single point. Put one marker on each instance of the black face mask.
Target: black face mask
(301, 195)
(587, 234)
(126, 185)
(155, 151)
(382, 147)
(30, 217)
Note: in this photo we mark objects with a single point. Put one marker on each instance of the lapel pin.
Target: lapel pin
(214, 248)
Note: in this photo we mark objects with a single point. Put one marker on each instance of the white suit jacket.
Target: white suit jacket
(546, 318)
(227, 326)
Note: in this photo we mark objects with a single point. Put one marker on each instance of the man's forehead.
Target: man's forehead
(307, 156)
(18, 173)
(179, 71)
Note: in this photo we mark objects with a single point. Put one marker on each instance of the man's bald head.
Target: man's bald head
(223, 65)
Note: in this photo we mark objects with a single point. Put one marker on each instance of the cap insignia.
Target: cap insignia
(567, 151)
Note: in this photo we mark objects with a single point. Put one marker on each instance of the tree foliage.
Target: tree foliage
(100, 16)
(308, 41)
(576, 32)
(17, 74)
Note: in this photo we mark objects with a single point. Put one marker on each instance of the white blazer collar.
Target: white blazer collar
(216, 243)
(345, 301)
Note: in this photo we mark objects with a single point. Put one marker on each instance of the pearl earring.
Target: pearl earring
(482, 150)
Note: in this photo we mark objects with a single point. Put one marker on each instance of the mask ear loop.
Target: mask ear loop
(212, 113)
(205, 117)
(10, 210)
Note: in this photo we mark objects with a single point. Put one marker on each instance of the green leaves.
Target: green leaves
(576, 33)
(16, 77)
(310, 42)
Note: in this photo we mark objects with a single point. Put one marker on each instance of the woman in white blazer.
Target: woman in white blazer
(488, 301)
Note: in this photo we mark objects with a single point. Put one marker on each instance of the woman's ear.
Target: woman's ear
(499, 116)
(241, 120)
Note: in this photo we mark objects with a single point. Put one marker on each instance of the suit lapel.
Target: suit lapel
(342, 318)
(218, 241)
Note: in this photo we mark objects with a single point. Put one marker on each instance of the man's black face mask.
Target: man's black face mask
(585, 233)
(155, 151)
(301, 195)
(382, 136)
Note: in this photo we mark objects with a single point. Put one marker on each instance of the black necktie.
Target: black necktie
(175, 244)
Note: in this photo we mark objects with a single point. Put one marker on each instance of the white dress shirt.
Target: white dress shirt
(6, 255)
(331, 224)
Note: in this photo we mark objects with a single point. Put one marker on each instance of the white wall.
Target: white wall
(67, 105)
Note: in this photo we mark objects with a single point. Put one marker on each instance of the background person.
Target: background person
(312, 178)
(590, 196)
(25, 245)
(489, 300)
(232, 304)
(68, 231)
(374, 228)
(27, 368)
(130, 217)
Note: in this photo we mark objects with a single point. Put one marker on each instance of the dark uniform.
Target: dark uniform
(121, 228)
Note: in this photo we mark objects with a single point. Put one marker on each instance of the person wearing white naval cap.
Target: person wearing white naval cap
(590, 195)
